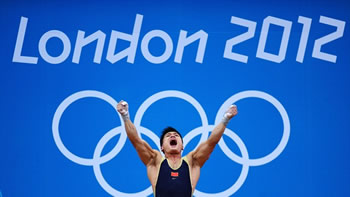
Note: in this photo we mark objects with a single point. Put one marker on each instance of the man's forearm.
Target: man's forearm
(123, 109)
(131, 131)
(217, 133)
(220, 128)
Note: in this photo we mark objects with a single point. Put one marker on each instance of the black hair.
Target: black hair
(167, 130)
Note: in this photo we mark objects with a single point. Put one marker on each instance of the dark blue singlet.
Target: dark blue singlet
(174, 182)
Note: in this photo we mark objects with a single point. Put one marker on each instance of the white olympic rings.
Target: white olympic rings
(97, 159)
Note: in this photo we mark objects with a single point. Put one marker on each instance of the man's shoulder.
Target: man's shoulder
(157, 158)
(189, 159)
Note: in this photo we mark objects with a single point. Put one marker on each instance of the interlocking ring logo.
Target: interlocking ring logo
(203, 130)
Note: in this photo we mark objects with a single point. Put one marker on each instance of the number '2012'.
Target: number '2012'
(287, 25)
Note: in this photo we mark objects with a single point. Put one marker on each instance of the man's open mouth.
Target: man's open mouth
(173, 142)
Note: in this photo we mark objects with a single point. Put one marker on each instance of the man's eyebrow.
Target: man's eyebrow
(171, 132)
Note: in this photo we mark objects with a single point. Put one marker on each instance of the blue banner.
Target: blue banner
(65, 65)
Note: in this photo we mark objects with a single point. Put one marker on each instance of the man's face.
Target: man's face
(172, 143)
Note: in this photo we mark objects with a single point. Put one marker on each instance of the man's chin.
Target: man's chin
(174, 150)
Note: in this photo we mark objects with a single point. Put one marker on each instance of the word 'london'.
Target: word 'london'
(183, 41)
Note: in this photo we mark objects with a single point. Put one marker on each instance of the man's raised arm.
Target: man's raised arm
(145, 152)
(202, 153)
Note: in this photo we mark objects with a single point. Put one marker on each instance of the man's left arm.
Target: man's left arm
(202, 153)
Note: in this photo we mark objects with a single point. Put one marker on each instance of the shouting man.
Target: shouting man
(174, 175)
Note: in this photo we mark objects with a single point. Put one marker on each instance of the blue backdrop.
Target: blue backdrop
(63, 65)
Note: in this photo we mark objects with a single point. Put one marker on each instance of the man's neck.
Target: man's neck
(174, 159)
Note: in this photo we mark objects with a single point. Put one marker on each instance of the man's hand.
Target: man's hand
(123, 109)
(230, 113)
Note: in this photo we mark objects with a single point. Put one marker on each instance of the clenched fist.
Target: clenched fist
(123, 109)
(231, 112)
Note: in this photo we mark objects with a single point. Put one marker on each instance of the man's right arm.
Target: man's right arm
(144, 150)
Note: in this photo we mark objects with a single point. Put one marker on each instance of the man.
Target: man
(173, 175)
